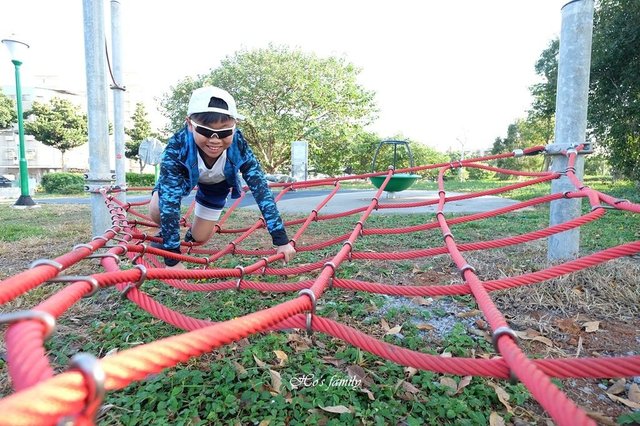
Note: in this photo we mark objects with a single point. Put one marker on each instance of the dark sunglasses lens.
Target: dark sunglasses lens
(209, 133)
(204, 132)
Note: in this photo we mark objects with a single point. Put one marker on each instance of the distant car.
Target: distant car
(5, 183)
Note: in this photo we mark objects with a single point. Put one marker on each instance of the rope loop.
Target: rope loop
(47, 320)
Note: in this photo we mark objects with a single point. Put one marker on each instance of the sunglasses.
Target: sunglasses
(209, 133)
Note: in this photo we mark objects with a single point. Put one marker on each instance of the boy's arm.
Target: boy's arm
(254, 176)
(169, 196)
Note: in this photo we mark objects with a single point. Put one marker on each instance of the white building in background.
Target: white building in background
(42, 159)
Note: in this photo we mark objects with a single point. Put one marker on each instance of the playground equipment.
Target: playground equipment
(400, 181)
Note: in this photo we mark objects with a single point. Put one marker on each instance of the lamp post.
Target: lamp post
(16, 50)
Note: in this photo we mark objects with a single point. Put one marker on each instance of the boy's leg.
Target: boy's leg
(154, 207)
(201, 229)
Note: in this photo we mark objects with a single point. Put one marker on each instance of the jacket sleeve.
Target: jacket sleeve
(170, 186)
(254, 176)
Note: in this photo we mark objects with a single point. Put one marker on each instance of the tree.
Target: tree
(8, 114)
(140, 131)
(614, 102)
(288, 95)
(614, 89)
(520, 134)
(543, 107)
(58, 124)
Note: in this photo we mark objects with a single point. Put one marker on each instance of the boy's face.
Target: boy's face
(213, 138)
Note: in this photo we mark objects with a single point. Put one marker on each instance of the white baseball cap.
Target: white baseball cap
(200, 99)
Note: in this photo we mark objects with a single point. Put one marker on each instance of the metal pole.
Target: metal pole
(571, 120)
(99, 175)
(118, 98)
(25, 199)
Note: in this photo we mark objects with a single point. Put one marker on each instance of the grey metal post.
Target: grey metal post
(118, 98)
(574, 63)
(99, 171)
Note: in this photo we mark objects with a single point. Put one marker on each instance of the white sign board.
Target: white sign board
(150, 151)
(299, 160)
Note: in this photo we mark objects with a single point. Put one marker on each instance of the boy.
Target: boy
(208, 152)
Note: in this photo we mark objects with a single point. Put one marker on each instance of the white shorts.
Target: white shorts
(207, 213)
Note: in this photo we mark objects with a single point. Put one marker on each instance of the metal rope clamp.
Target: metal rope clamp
(142, 279)
(266, 263)
(333, 273)
(499, 332)
(349, 257)
(47, 320)
(312, 312)
(239, 281)
(47, 262)
(95, 378)
(466, 267)
(141, 254)
(95, 286)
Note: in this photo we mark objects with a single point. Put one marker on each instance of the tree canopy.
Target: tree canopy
(614, 89)
(288, 95)
(58, 124)
(8, 114)
(141, 129)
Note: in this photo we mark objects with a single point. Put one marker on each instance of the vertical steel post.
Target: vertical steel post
(25, 199)
(118, 98)
(99, 175)
(574, 64)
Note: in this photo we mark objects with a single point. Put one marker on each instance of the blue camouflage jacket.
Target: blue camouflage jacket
(179, 175)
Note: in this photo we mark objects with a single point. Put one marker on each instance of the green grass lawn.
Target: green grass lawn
(287, 377)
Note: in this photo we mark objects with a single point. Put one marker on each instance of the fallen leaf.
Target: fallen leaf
(337, 409)
(449, 383)
(601, 418)
(495, 419)
(471, 313)
(446, 355)
(628, 403)
(358, 373)
(530, 334)
(276, 381)
(634, 393)
(239, 368)
(464, 382)
(394, 330)
(369, 394)
(408, 387)
(591, 326)
(568, 326)
(618, 387)
(333, 361)
(282, 357)
(422, 301)
(425, 326)
(384, 324)
(264, 423)
(410, 372)
(259, 362)
(502, 395)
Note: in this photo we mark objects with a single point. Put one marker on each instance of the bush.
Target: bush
(62, 183)
(137, 179)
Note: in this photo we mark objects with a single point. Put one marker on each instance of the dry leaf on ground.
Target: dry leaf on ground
(337, 409)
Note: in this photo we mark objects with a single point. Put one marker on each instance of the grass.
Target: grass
(291, 378)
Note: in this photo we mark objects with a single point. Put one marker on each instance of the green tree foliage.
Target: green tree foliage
(288, 95)
(58, 124)
(141, 129)
(614, 98)
(521, 134)
(614, 103)
(8, 114)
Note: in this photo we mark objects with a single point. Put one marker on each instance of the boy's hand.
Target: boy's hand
(288, 252)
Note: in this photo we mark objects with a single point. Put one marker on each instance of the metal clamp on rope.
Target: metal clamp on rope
(448, 234)
(466, 268)
(440, 212)
(361, 227)
(498, 332)
(621, 200)
(266, 263)
(206, 263)
(47, 262)
(600, 206)
(139, 255)
(518, 153)
(333, 273)
(100, 237)
(350, 249)
(312, 312)
(101, 255)
(95, 378)
(565, 194)
(315, 215)
(571, 151)
(241, 268)
(95, 286)
(87, 246)
(125, 249)
(47, 320)
(233, 247)
(377, 202)
(142, 279)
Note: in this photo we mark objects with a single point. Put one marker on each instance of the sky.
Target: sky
(446, 73)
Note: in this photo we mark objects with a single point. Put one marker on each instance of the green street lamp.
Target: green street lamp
(16, 50)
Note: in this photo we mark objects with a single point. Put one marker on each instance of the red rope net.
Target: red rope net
(43, 397)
